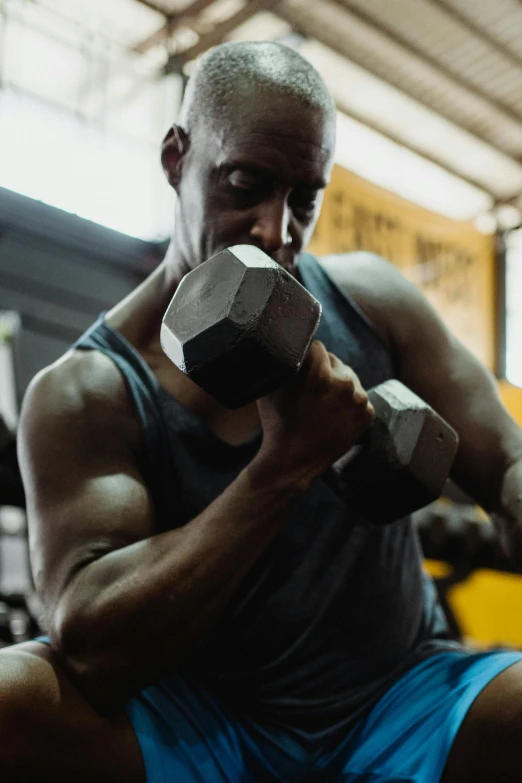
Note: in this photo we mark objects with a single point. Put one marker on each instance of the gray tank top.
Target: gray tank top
(335, 609)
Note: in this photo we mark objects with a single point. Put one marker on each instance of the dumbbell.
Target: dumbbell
(240, 326)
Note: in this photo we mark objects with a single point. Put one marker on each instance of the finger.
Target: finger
(317, 350)
(360, 394)
(345, 373)
(335, 362)
(317, 360)
(351, 380)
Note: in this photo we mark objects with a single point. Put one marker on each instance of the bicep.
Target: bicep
(76, 522)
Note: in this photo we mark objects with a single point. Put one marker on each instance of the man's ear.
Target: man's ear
(174, 149)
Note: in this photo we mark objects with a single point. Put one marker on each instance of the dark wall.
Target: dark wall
(59, 272)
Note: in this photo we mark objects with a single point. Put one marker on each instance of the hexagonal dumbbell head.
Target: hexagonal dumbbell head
(404, 459)
(239, 325)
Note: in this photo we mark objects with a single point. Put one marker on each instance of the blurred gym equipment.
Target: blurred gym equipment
(18, 603)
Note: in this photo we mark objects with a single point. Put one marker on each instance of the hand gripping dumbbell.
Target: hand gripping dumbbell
(240, 326)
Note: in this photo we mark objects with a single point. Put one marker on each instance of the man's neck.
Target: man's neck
(138, 317)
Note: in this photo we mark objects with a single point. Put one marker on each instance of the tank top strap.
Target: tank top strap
(344, 328)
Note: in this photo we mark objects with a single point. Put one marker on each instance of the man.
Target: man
(216, 612)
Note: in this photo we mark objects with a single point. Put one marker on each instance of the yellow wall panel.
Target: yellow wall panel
(512, 399)
(487, 606)
(451, 261)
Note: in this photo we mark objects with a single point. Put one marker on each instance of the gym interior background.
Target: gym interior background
(428, 174)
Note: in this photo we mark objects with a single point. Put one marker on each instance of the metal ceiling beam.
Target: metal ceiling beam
(174, 21)
(320, 32)
(220, 32)
(476, 30)
(420, 54)
(383, 131)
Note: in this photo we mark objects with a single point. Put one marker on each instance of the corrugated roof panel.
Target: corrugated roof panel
(436, 35)
(502, 19)
(387, 109)
(373, 50)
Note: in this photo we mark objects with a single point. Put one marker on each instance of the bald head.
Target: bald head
(236, 72)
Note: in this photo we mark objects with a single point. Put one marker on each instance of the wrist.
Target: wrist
(267, 472)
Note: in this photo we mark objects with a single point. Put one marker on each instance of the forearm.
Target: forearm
(507, 513)
(134, 614)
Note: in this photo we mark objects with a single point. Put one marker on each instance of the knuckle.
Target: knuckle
(349, 385)
(360, 397)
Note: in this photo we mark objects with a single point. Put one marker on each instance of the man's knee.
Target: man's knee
(48, 731)
(25, 691)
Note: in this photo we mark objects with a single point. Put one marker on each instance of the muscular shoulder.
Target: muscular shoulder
(390, 301)
(82, 398)
(85, 382)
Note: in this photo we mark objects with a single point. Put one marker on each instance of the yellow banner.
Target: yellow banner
(451, 261)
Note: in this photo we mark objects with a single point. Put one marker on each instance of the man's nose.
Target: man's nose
(271, 230)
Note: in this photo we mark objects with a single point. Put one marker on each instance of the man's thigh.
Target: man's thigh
(488, 746)
(49, 732)
(418, 723)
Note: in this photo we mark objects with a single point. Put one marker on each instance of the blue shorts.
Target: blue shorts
(186, 735)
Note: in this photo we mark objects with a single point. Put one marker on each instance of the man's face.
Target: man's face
(257, 179)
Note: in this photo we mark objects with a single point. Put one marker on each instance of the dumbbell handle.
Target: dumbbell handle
(402, 461)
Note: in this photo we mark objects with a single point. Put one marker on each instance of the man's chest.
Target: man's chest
(232, 426)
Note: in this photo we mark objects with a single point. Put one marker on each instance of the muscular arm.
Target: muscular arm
(123, 605)
(435, 365)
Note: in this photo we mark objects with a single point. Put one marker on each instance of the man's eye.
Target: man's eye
(304, 203)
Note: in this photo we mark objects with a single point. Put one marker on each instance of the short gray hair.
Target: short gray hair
(248, 66)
